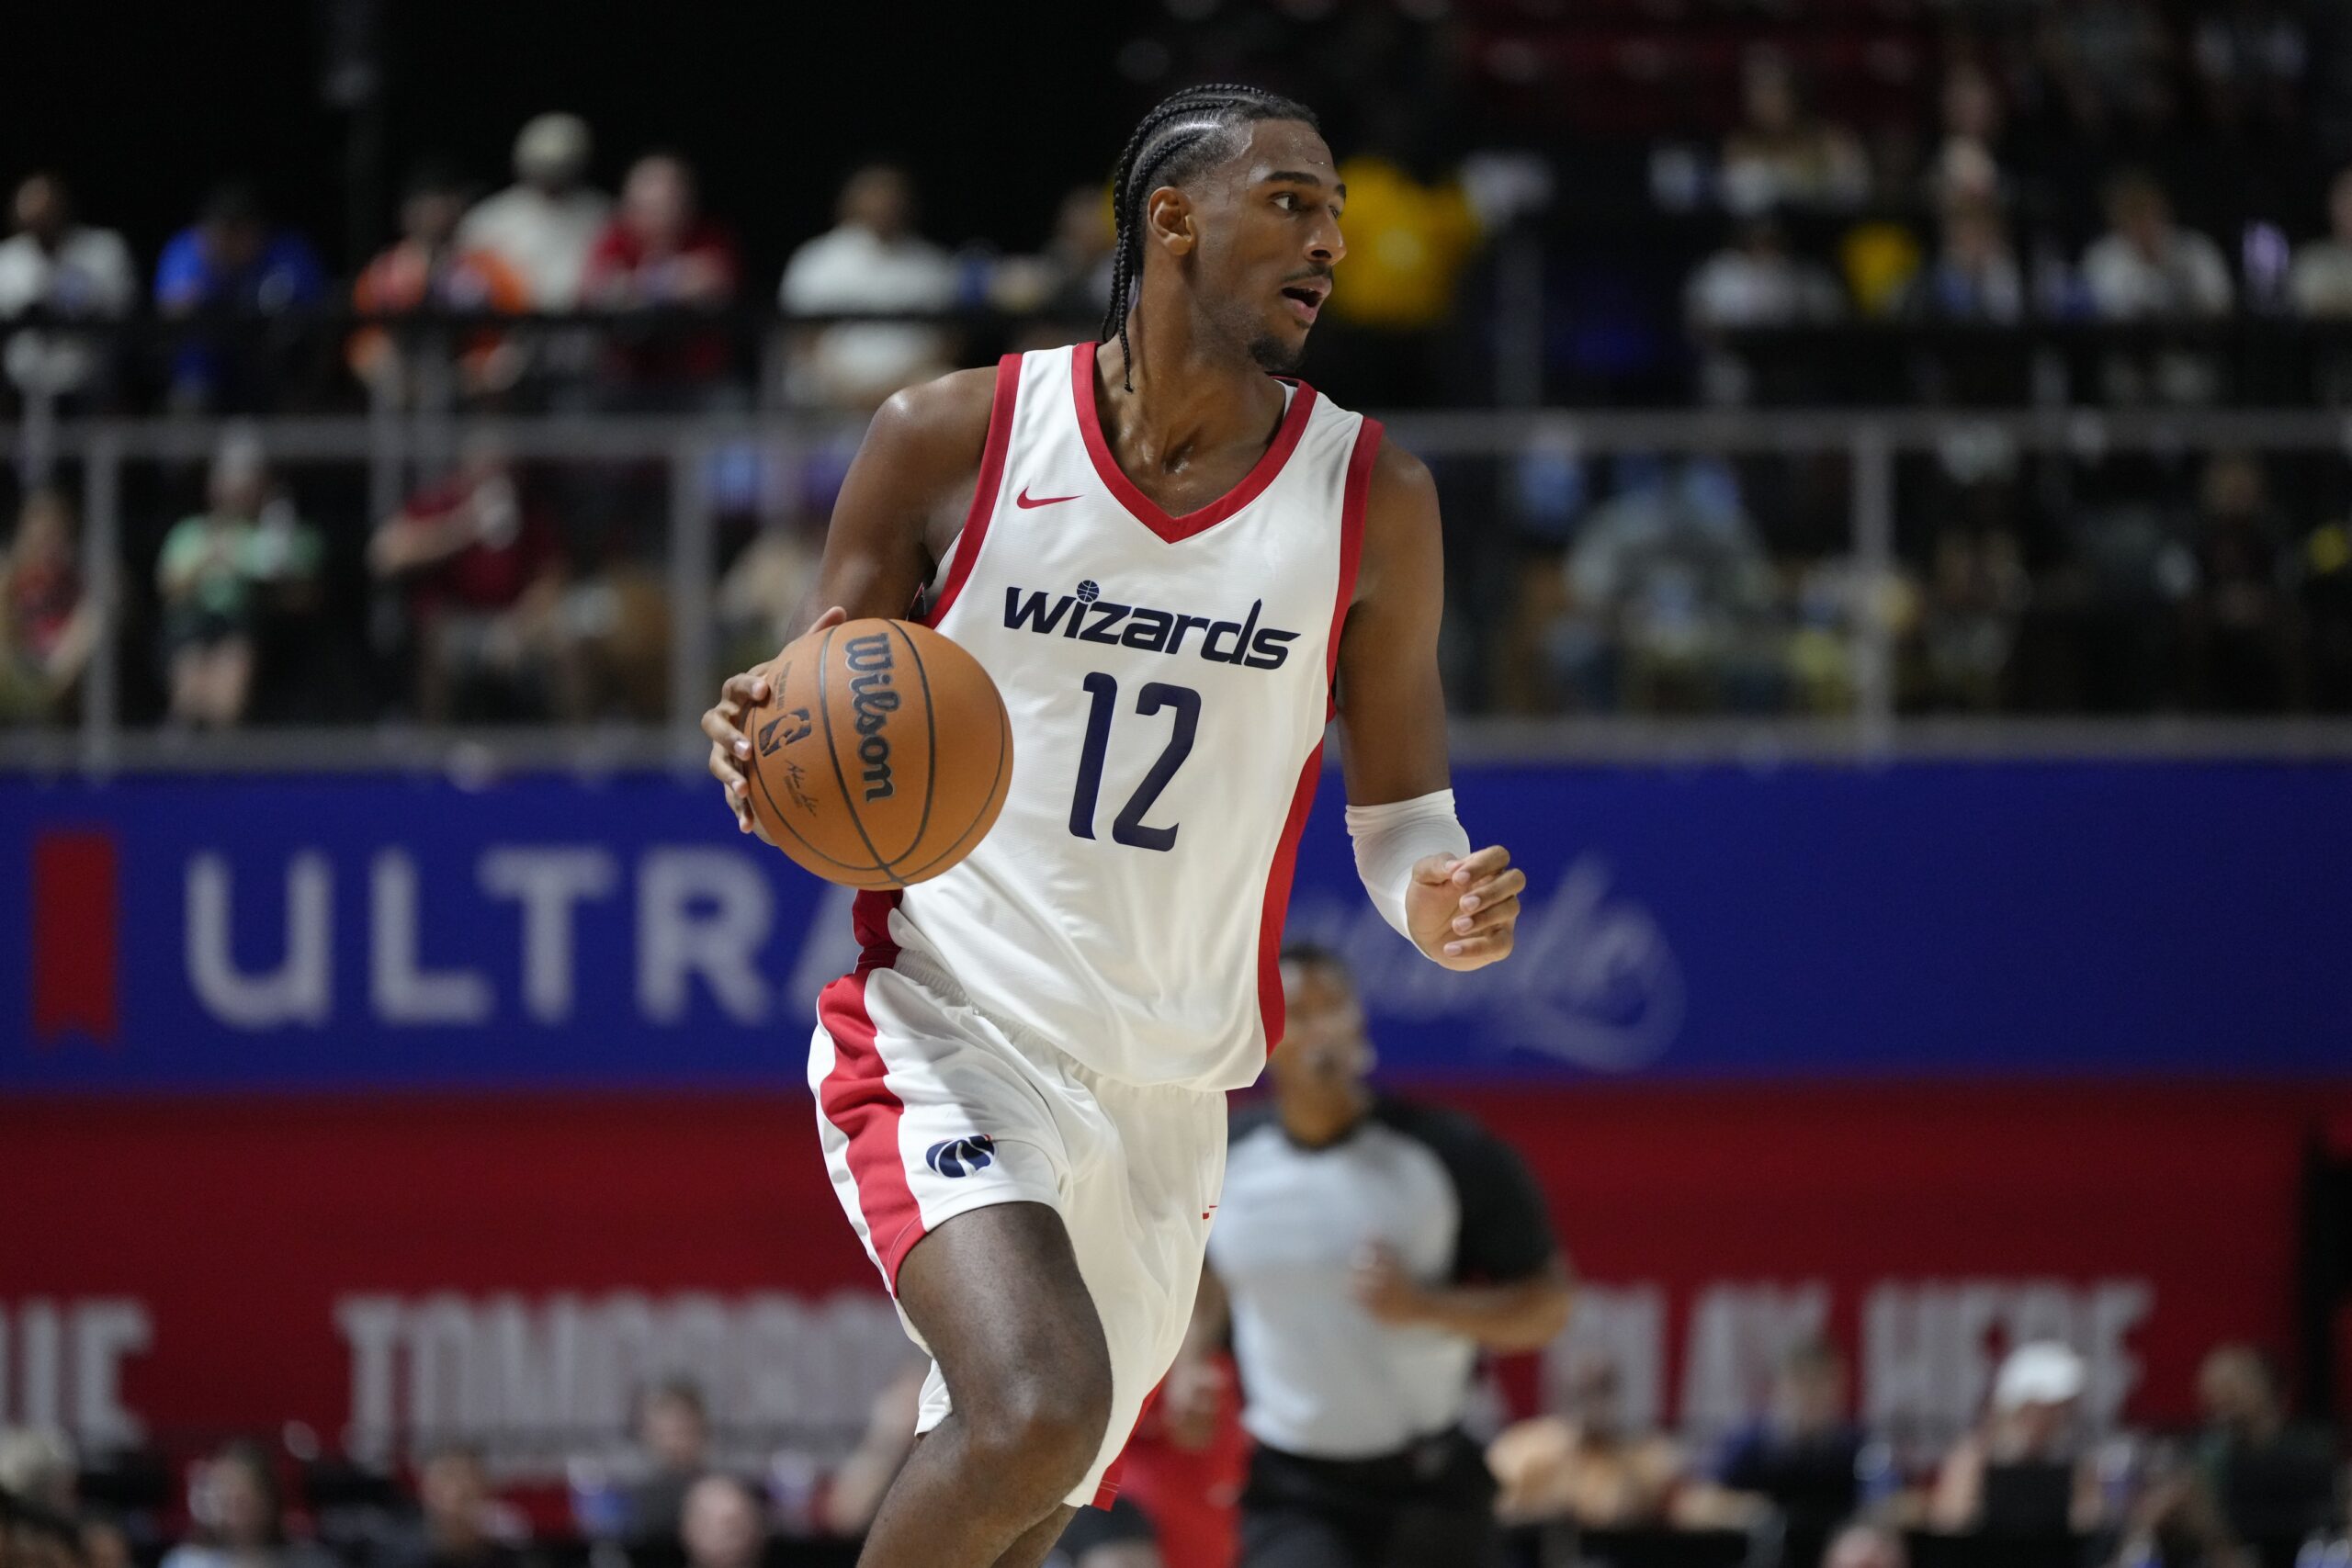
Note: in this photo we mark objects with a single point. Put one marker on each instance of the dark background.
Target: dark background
(145, 107)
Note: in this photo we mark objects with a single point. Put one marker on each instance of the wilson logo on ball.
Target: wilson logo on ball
(962, 1156)
(873, 701)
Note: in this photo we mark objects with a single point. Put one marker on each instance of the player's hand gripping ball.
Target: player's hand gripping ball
(881, 756)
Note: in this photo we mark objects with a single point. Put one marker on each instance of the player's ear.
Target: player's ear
(1168, 218)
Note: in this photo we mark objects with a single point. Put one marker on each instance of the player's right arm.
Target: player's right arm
(900, 508)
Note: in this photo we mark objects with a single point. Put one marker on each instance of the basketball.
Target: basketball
(882, 755)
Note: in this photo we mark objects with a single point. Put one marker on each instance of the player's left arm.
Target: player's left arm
(1458, 904)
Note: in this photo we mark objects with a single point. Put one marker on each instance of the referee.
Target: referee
(1366, 1250)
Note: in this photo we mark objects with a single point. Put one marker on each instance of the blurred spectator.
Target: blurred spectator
(1670, 592)
(1976, 595)
(2021, 1472)
(2327, 610)
(1781, 155)
(850, 1501)
(2240, 616)
(1411, 234)
(661, 252)
(2250, 55)
(67, 270)
(1879, 260)
(36, 1464)
(1408, 239)
(105, 1543)
(1756, 281)
(240, 1517)
(483, 569)
(463, 1526)
(545, 224)
(2147, 269)
(762, 603)
(674, 1437)
(2106, 58)
(2173, 1521)
(2320, 281)
(1800, 1455)
(1866, 1546)
(2146, 266)
(32, 1536)
(872, 259)
(1582, 1465)
(2274, 1480)
(429, 268)
(1967, 165)
(49, 621)
(723, 1524)
(232, 262)
(1974, 276)
(1069, 282)
(221, 573)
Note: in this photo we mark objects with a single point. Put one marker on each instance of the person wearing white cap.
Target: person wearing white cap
(544, 224)
(2022, 1472)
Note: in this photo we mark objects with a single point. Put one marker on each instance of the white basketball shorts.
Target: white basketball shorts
(928, 1108)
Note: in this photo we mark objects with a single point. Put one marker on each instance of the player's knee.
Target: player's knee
(1044, 1426)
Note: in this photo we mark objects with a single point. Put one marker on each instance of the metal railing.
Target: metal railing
(395, 449)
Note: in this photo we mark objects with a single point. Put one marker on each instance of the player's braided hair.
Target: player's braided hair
(1185, 132)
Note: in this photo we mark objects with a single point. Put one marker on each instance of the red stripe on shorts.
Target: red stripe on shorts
(856, 1096)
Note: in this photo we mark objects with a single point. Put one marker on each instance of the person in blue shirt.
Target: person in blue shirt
(230, 262)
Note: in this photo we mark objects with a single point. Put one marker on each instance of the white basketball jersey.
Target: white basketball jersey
(1169, 681)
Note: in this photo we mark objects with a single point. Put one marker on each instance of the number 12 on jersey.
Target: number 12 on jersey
(1128, 827)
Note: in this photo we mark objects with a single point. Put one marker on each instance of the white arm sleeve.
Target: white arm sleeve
(1391, 839)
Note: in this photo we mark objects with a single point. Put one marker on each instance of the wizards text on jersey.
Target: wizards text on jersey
(1086, 616)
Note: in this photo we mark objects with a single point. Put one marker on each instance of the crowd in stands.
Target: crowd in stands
(2249, 1488)
(1955, 193)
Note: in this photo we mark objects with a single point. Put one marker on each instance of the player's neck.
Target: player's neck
(1192, 394)
(1320, 1121)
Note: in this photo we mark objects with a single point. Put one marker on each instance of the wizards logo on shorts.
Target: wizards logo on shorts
(962, 1156)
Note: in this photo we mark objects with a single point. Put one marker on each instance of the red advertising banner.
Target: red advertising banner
(509, 1268)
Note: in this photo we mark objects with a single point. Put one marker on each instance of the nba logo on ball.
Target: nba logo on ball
(961, 1156)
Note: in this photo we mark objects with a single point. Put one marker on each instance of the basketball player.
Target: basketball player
(1176, 566)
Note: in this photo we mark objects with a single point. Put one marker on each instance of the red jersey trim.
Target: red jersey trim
(1352, 505)
(984, 495)
(1146, 511)
(1276, 907)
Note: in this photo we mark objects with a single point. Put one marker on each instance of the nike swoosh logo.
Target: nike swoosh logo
(1024, 501)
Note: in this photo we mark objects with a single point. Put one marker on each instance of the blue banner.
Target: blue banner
(1702, 923)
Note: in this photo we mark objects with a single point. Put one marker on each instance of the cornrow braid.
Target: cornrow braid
(1185, 132)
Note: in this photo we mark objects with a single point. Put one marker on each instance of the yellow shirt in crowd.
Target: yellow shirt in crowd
(1406, 245)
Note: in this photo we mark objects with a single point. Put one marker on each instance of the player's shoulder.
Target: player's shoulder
(948, 414)
(1400, 500)
(1401, 530)
(1399, 479)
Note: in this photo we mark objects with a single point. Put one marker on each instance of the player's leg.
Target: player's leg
(997, 1295)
